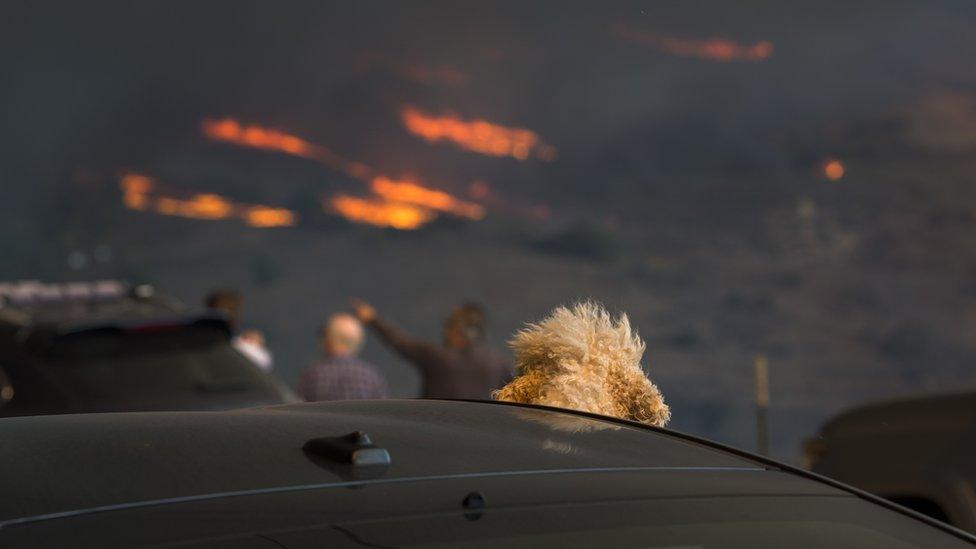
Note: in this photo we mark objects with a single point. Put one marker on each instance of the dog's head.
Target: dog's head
(582, 358)
(581, 339)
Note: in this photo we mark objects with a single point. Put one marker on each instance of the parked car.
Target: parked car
(919, 452)
(422, 473)
(105, 347)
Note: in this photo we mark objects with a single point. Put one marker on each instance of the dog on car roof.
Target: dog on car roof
(581, 358)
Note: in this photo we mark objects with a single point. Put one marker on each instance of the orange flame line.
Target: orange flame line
(477, 135)
(137, 194)
(404, 204)
(381, 213)
(264, 216)
(409, 192)
(713, 49)
(232, 131)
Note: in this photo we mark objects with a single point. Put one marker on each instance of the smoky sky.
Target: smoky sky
(106, 86)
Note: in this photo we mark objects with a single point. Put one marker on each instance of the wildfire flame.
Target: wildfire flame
(712, 49)
(477, 135)
(231, 131)
(265, 216)
(401, 204)
(381, 213)
(833, 169)
(135, 191)
(409, 192)
(138, 194)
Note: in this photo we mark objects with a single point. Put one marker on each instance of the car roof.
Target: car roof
(151, 478)
(97, 460)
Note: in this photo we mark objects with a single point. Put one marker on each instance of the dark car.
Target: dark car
(918, 451)
(417, 473)
(106, 347)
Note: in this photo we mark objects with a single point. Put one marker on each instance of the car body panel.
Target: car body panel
(242, 478)
(145, 359)
(428, 512)
(198, 452)
(921, 447)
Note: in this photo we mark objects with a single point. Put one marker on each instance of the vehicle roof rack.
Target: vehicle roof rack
(31, 293)
(30, 303)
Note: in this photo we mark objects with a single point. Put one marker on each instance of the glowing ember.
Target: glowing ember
(381, 213)
(409, 192)
(137, 194)
(833, 170)
(712, 49)
(477, 135)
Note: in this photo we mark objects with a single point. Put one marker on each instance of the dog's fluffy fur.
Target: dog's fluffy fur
(581, 358)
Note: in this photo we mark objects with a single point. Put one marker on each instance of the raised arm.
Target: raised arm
(422, 354)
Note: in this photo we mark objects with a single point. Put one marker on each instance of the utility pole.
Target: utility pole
(761, 366)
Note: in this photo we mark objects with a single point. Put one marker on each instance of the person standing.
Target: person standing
(250, 342)
(462, 367)
(341, 374)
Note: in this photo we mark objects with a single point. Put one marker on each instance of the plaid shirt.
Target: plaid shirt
(341, 378)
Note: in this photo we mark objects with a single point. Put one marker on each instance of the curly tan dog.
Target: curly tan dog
(581, 358)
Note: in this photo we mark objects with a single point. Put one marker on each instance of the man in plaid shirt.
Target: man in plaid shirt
(341, 375)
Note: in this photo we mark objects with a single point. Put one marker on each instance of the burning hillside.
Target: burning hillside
(401, 204)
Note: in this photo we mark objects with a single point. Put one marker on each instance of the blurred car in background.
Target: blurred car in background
(418, 473)
(107, 347)
(919, 452)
